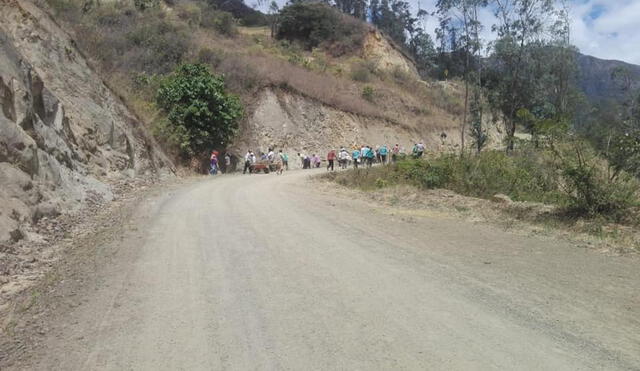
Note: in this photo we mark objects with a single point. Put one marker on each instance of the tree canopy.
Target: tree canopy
(202, 114)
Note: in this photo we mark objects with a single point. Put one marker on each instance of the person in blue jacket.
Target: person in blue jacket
(383, 153)
(355, 155)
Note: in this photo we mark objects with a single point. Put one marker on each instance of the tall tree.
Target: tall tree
(461, 17)
(274, 10)
(522, 24)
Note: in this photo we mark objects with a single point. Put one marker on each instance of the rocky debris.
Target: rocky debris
(41, 243)
(501, 199)
(65, 138)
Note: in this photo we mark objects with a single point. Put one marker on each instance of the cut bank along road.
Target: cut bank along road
(261, 272)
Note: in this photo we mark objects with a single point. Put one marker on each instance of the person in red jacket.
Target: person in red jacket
(331, 157)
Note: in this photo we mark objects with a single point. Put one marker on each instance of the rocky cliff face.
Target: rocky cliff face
(64, 136)
(386, 55)
(298, 124)
(595, 80)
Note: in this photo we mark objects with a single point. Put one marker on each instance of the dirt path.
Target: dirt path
(261, 273)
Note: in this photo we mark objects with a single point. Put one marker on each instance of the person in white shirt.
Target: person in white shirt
(247, 162)
(420, 147)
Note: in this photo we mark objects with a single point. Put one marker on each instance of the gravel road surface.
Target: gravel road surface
(263, 273)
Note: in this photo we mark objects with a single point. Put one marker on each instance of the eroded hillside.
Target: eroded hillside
(64, 136)
(302, 99)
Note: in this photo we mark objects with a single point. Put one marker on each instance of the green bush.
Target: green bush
(570, 176)
(146, 4)
(155, 45)
(313, 24)
(222, 22)
(590, 187)
(368, 93)
(226, 24)
(201, 113)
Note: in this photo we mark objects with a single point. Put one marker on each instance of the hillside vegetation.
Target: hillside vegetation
(319, 53)
(134, 47)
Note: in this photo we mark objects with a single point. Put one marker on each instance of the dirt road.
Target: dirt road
(260, 272)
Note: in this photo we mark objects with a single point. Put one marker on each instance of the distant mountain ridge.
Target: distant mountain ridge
(594, 78)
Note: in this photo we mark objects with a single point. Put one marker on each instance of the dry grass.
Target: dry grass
(124, 44)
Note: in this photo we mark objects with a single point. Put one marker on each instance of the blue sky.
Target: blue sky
(607, 29)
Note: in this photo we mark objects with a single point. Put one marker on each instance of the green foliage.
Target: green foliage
(201, 113)
(381, 183)
(587, 184)
(221, 21)
(570, 175)
(368, 93)
(476, 128)
(528, 71)
(624, 153)
(225, 24)
(145, 4)
(423, 50)
(315, 24)
(157, 45)
(436, 174)
(394, 18)
(241, 11)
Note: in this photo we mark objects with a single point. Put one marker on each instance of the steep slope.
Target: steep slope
(386, 55)
(64, 136)
(297, 124)
(595, 77)
(359, 89)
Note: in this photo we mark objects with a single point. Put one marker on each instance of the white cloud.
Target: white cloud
(612, 32)
(607, 29)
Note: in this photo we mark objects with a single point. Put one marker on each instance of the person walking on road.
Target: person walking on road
(331, 157)
(227, 162)
(301, 158)
(343, 157)
(394, 153)
(316, 161)
(355, 156)
(370, 156)
(271, 156)
(383, 153)
(247, 162)
(213, 164)
(285, 160)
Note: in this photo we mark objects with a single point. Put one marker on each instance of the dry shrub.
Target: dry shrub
(124, 39)
(360, 72)
(256, 71)
(210, 57)
(189, 13)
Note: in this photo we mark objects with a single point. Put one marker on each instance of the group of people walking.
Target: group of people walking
(269, 158)
(363, 156)
(214, 163)
(357, 156)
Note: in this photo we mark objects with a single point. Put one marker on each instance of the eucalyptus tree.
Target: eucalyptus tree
(460, 17)
(522, 27)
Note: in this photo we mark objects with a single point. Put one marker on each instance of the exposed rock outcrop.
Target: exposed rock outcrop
(300, 124)
(64, 136)
(386, 55)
